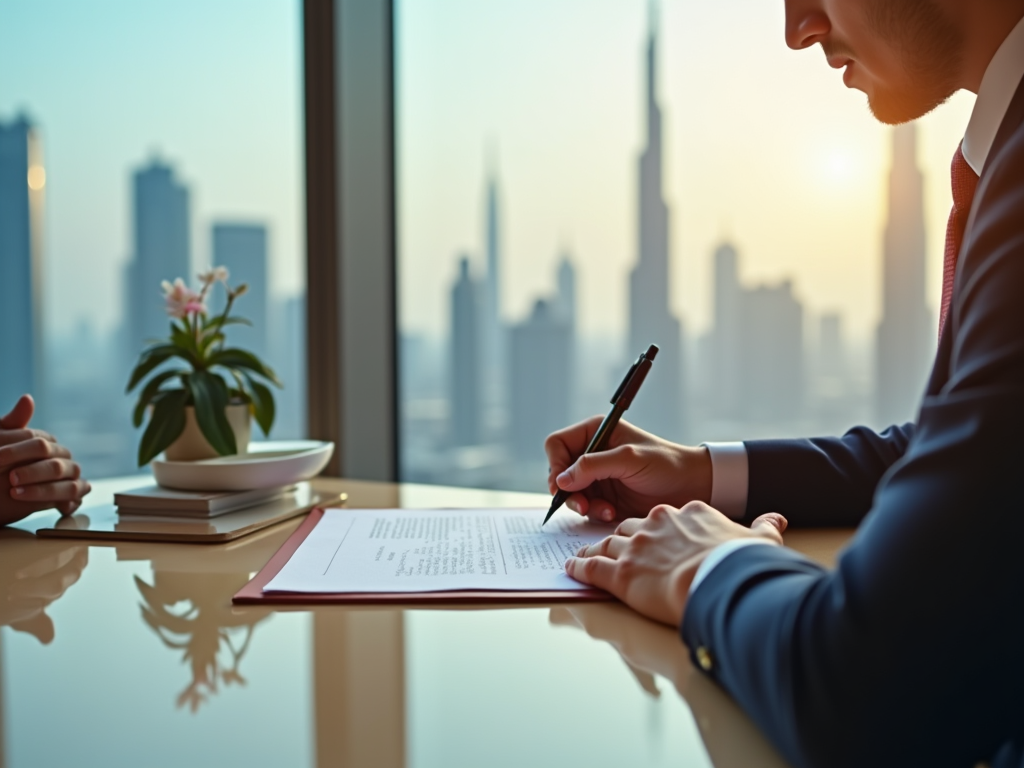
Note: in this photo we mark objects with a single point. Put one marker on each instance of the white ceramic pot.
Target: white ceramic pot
(191, 445)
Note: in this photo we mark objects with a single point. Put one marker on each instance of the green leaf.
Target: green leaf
(210, 397)
(165, 424)
(207, 341)
(183, 340)
(239, 358)
(263, 405)
(150, 391)
(220, 321)
(151, 358)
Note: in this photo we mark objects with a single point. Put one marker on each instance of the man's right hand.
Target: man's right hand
(636, 473)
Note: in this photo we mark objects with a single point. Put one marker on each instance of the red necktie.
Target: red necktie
(965, 182)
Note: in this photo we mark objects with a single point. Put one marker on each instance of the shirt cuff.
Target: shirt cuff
(730, 476)
(718, 554)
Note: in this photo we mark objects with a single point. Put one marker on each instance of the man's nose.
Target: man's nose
(806, 23)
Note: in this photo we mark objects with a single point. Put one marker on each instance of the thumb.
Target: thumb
(39, 626)
(770, 526)
(591, 467)
(20, 415)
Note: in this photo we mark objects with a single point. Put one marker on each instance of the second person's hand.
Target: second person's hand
(637, 472)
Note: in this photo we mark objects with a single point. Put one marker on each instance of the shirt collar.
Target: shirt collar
(998, 86)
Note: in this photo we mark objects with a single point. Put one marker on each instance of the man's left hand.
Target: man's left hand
(649, 563)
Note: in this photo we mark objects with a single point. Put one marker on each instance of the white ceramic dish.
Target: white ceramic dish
(266, 465)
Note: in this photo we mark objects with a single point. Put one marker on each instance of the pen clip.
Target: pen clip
(626, 379)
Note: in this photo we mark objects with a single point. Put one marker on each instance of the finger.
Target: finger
(617, 463)
(40, 626)
(630, 526)
(35, 449)
(770, 526)
(600, 510)
(578, 503)
(20, 415)
(47, 471)
(64, 490)
(563, 446)
(597, 571)
(610, 546)
(11, 436)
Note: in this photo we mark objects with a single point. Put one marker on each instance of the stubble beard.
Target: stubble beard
(930, 47)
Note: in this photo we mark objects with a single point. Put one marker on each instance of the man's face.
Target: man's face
(904, 54)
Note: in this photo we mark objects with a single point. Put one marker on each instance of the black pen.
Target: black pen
(621, 401)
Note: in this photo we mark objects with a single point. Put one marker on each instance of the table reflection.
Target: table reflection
(34, 574)
(651, 651)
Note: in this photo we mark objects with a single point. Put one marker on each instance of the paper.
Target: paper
(436, 550)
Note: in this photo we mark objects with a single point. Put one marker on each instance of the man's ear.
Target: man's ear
(20, 415)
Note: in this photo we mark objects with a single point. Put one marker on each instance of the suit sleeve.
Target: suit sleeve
(793, 476)
(909, 653)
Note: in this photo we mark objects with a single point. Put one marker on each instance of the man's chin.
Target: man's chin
(893, 108)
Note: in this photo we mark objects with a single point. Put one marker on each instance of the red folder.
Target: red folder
(252, 593)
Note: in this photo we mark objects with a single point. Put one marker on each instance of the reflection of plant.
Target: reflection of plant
(198, 340)
(188, 613)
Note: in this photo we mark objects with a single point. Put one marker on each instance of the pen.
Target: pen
(621, 401)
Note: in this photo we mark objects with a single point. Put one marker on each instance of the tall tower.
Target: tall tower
(540, 394)
(465, 377)
(161, 251)
(493, 356)
(242, 248)
(905, 335)
(726, 339)
(659, 407)
(22, 184)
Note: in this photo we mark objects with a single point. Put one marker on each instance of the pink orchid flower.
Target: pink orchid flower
(182, 300)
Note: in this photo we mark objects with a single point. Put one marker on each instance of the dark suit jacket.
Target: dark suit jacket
(912, 651)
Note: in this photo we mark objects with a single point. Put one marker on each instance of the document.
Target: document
(437, 550)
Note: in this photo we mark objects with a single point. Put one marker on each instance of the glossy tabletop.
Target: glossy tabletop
(132, 654)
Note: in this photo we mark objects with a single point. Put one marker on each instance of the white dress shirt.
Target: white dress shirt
(730, 474)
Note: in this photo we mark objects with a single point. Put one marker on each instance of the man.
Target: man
(36, 472)
(912, 651)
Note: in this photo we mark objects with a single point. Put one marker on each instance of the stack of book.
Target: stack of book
(156, 501)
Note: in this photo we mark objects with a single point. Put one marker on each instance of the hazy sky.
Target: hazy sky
(763, 145)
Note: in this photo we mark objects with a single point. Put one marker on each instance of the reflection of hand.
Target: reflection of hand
(650, 563)
(635, 473)
(731, 739)
(648, 649)
(33, 574)
(36, 472)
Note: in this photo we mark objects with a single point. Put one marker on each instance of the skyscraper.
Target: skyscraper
(725, 339)
(22, 183)
(771, 371)
(465, 383)
(242, 248)
(905, 334)
(659, 407)
(566, 279)
(493, 356)
(539, 368)
(161, 251)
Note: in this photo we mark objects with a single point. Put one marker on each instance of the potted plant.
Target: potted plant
(201, 406)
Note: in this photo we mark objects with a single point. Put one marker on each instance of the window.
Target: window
(579, 179)
(141, 142)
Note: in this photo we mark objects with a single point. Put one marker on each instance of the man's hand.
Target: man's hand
(649, 564)
(36, 472)
(638, 471)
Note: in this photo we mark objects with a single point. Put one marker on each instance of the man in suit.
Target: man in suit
(911, 652)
